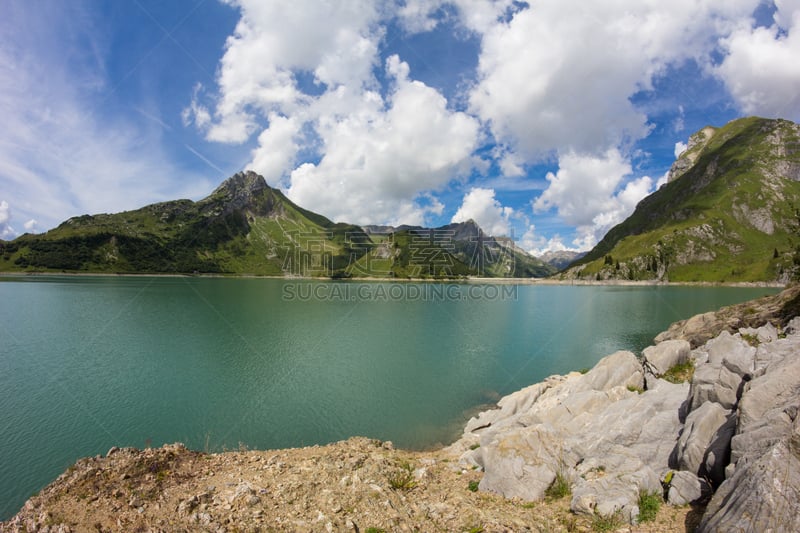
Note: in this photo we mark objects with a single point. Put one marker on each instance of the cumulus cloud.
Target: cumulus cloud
(277, 147)
(680, 147)
(481, 206)
(273, 42)
(379, 160)
(550, 82)
(585, 192)
(31, 226)
(6, 231)
(761, 69)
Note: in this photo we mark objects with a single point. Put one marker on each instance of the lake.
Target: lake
(87, 363)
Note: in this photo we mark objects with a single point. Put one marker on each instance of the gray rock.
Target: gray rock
(715, 383)
(618, 369)
(616, 492)
(701, 429)
(663, 356)
(766, 333)
(768, 410)
(686, 488)
(731, 352)
(793, 327)
(774, 352)
(523, 463)
(762, 496)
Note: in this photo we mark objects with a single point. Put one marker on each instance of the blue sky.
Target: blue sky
(547, 121)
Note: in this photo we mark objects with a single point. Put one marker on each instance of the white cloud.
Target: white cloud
(31, 226)
(680, 147)
(549, 81)
(6, 231)
(481, 206)
(336, 42)
(585, 193)
(761, 69)
(378, 160)
(277, 147)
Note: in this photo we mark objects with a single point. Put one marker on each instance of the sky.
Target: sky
(546, 121)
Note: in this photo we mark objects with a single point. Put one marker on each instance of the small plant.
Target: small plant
(403, 479)
(475, 446)
(584, 370)
(375, 530)
(558, 488)
(475, 529)
(649, 504)
(473, 486)
(680, 373)
(752, 340)
(607, 523)
(634, 388)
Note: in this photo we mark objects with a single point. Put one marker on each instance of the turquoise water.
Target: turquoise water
(87, 363)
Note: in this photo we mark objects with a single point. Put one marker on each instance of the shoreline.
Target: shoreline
(468, 280)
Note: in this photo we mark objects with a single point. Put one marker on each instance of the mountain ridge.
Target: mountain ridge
(727, 214)
(247, 227)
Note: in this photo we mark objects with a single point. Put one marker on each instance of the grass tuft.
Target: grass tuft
(403, 479)
(649, 504)
(680, 373)
(558, 488)
(607, 523)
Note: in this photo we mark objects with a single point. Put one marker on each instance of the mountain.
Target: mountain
(561, 259)
(728, 212)
(246, 227)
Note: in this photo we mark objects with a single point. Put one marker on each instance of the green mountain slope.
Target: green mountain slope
(728, 212)
(246, 227)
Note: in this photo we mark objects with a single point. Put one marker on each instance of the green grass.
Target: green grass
(649, 504)
(473, 486)
(403, 478)
(635, 389)
(680, 373)
(559, 488)
(607, 523)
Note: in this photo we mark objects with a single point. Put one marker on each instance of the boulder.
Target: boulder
(618, 369)
(616, 492)
(709, 424)
(686, 488)
(768, 410)
(733, 353)
(793, 327)
(523, 463)
(774, 352)
(766, 333)
(762, 496)
(715, 383)
(663, 356)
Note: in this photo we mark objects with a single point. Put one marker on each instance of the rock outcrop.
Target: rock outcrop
(736, 429)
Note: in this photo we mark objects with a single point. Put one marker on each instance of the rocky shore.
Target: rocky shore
(706, 420)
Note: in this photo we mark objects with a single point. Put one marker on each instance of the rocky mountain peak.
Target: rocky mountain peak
(243, 190)
(697, 142)
(247, 183)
